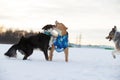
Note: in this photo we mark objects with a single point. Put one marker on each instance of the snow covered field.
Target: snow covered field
(84, 64)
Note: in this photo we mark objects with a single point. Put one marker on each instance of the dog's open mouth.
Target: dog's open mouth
(110, 38)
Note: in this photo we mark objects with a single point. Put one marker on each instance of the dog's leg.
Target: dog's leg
(113, 54)
(27, 53)
(46, 54)
(51, 53)
(25, 57)
(66, 54)
(51, 42)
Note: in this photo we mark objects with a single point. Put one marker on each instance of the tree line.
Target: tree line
(13, 36)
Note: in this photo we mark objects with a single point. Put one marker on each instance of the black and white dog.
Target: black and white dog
(115, 36)
(26, 45)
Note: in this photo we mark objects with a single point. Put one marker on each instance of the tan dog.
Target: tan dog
(62, 31)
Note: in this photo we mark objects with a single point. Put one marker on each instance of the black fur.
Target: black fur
(26, 45)
(12, 51)
(48, 27)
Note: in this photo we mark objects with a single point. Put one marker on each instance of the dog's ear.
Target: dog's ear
(60, 24)
(44, 28)
(114, 29)
(49, 26)
(56, 22)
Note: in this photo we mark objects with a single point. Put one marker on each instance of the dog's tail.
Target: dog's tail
(12, 51)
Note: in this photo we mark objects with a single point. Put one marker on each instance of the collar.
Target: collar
(47, 33)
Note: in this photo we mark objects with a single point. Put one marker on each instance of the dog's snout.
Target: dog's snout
(107, 37)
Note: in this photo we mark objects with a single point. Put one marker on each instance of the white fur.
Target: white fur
(54, 33)
(116, 51)
(59, 31)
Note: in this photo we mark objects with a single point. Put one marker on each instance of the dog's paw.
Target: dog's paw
(114, 56)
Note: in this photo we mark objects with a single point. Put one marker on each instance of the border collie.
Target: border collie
(26, 45)
(115, 36)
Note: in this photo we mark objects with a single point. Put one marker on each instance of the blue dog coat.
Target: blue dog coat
(61, 42)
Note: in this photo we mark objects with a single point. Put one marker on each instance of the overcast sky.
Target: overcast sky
(93, 19)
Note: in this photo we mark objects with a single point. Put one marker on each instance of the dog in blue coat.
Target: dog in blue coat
(61, 42)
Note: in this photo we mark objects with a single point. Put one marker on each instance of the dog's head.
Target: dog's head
(61, 28)
(50, 30)
(48, 27)
(112, 33)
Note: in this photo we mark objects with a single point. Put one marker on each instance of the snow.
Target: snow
(84, 64)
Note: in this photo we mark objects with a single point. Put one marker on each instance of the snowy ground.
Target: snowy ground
(84, 64)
